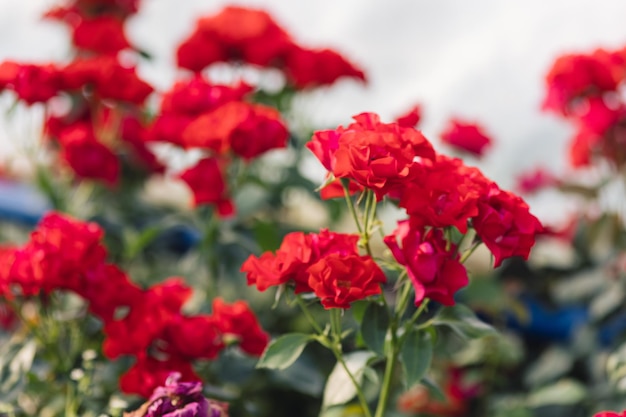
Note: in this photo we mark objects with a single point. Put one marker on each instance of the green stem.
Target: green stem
(469, 252)
(208, 247)
(405, 293)
(392, 353)
(350, 203)
(392, 357)
(308, 315)
(335, 346)
(413, 319)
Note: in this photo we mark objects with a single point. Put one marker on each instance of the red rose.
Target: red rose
(444, 194)
(411, 118)
(378, 156)
(238, 321)
(148, 373)
(339, 279)
(296, 253)
(610, 414)
(576, 75)
(101, 34)
(234, 34)
(432, 263)
(194, 337)
(208, 185)
(306, 68)
(91, 159)
(468, 137)
(505, 225)
(248, 130)
(146, 320)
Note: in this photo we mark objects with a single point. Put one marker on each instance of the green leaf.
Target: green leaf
(266, 235)
(564, 392)
(16, 362)
(374, 327)
(339, 388)
(463, 322)
(434, 389)
(138, 242)
(284, 351)
(416, 356)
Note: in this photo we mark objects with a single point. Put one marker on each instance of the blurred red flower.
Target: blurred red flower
(467, 137)
(206, 181)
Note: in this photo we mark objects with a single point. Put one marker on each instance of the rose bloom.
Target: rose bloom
(467, 137)
(307, 68)
(238, 322)
(535, 180)
(180, 399)
(411, 117)
(376, 155)
(206, 181)
(297, 252)
(248, 130)
(432, 266)
(506, 226)
(339, 280)
(576, 75)
(610, 414)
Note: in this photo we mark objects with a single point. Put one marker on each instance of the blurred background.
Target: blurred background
(480, 60)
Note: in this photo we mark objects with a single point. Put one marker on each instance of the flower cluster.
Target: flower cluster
(437, 192)
(248, 36)
(95, 103)
(67, 254)
(196, 114)
(585, 89)
(327, 264)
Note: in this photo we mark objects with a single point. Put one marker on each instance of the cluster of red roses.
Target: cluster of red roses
(585, 88)
(107, 119)
(253, 37)
(105, 95)
(215, 119)
(65, 254)
(437, 192)
(326, 263)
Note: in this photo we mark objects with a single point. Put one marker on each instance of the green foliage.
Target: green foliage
(339, 388)
(416, 355)
(284, 351)
(463, 322)
(374, 327)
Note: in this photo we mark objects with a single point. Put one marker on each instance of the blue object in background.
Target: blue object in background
(557, 325)
(21, 203)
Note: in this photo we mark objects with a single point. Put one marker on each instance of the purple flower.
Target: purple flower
(180, 399)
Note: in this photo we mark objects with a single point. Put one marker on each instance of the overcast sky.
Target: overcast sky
(482, 60)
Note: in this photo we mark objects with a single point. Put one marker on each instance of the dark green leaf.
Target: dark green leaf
(463, 321)
(374, 327)
(284, 351)
(266, 235)
(416, 355)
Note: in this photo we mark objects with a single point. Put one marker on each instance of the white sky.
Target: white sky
(476, 59)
